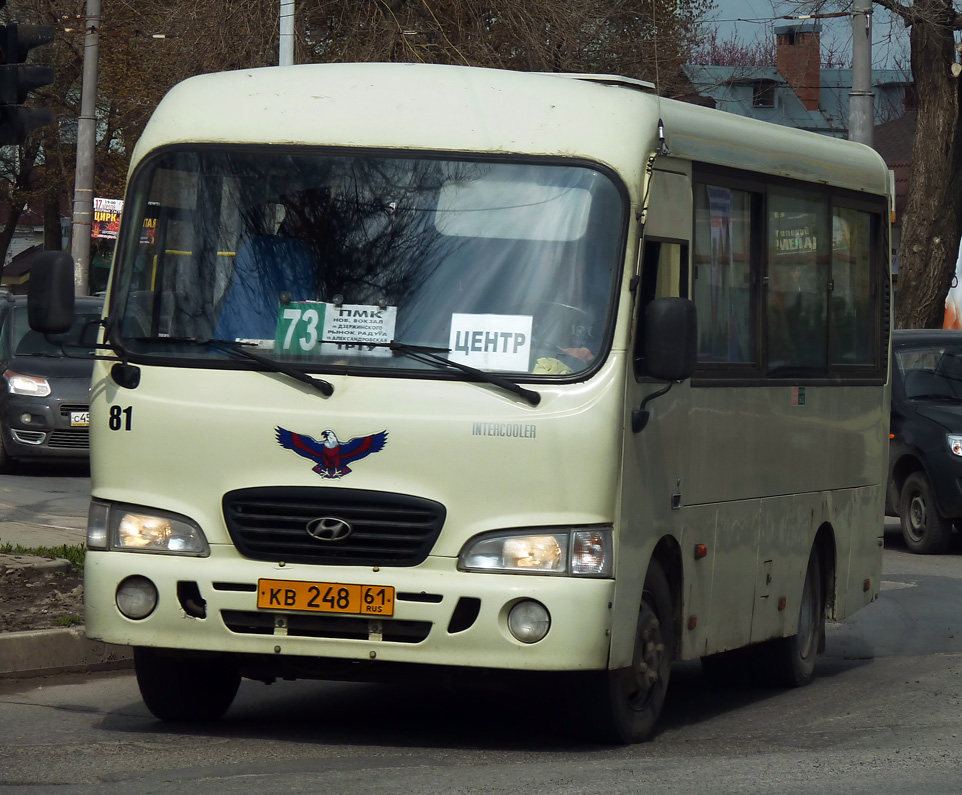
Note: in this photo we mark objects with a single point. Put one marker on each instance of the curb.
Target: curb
(58, 651)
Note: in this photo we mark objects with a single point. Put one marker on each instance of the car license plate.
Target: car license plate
(326, 597)
(79, 419)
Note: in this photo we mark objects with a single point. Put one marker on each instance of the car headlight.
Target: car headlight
(579, 552)
(33, 385)
(955, 443)
(134, 529)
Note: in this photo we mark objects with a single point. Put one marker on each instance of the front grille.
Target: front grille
(70, 438)
(270, 524)
(67, 408)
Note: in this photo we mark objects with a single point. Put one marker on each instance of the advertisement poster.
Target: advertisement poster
(106, 221)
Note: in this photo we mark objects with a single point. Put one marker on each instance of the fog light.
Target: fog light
(136, 597)
(529, 621)
(25, 419)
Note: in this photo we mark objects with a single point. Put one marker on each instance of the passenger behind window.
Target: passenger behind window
(266, 267)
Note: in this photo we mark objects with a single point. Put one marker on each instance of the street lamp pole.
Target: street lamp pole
(83, 201)
(861, 103)
(286, 53)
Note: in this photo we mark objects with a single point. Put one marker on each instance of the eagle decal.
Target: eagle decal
(331, 456)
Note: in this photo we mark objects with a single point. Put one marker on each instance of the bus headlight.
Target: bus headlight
(955, 443)
(579, 552)
(136, 529)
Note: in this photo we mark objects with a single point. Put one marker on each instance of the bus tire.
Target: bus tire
(790, 662)
(185, 688)
(623, 706)
(925, 530)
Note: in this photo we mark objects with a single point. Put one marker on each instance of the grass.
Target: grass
(70, 621)
(74, 554)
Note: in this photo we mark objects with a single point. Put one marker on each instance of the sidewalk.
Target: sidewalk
(50, 651)
(47, 530)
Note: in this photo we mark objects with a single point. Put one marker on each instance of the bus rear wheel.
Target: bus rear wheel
(790, 662)
(185, 688)
(623, 706)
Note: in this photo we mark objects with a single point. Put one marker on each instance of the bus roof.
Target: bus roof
(461, 109)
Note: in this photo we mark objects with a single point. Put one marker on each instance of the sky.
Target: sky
(751, 19)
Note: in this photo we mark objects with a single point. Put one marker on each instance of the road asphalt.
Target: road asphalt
(49, 651)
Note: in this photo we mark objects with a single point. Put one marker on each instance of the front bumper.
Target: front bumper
(42, 428)
(945, 473)
(442, 616)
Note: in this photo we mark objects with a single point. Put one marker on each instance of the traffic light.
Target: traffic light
(17, 80)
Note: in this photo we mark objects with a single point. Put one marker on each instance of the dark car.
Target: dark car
(925, 450)
(45, 402)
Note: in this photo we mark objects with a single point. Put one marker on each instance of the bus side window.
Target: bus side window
(664, 272)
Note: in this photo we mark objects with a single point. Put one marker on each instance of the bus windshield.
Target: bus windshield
(322, 261)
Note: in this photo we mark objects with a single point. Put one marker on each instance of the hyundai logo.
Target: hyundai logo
(329, 528)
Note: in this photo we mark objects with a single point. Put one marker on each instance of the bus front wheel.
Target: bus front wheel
(185, 688)
(623, 706)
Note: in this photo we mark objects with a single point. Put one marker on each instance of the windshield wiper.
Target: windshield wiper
(429, 355)
(239, 349)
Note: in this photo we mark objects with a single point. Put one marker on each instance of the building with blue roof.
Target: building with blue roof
(798, 91)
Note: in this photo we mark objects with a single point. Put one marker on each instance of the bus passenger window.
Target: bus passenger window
(852, 318)
(798, 274)
(723, 275)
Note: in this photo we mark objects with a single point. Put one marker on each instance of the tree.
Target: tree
(149, 45)
(932, 223)
(714, 50)
(645, 39)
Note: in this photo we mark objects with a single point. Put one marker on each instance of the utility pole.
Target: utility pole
(861, 102)
(286, 54)
(83, 195)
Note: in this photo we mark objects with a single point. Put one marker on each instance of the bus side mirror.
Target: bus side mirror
(671, 348)
(50, 304)
(671, 339)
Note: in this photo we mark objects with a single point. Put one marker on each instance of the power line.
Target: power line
(791, 17)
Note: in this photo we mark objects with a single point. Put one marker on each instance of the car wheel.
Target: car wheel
(185, 688)
(925, 530)
(5, 460)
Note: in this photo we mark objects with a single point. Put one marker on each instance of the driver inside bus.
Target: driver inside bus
(568, 336)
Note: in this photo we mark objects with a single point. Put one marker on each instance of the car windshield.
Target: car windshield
(79, 341)
(934, 371)
(322, 261)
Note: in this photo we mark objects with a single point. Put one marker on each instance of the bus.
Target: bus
(431, 368)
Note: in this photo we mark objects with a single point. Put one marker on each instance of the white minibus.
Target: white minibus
(409, 368)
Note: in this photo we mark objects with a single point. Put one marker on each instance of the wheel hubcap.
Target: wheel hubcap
(646, 668)
(917, 518)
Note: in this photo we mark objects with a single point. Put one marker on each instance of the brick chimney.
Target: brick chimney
(798, 60)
